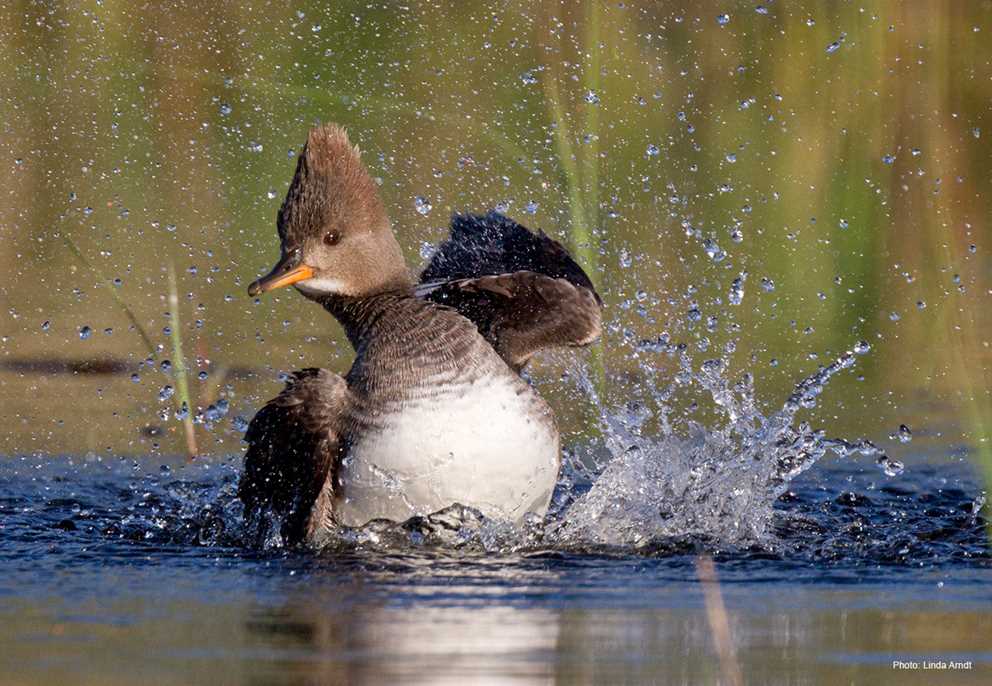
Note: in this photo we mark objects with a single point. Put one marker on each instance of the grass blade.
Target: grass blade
(146, 339)
(179, 366)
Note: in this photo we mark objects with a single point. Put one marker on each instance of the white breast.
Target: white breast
(478, 444)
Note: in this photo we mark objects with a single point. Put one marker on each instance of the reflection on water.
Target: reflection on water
(446, 645)
(521, 625)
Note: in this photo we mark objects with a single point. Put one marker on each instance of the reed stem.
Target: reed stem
(179, 366)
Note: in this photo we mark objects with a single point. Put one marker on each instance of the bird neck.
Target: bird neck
(376, 315)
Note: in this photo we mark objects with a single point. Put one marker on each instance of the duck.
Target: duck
(434, 411)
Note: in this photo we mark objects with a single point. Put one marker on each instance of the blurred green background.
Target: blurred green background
(835, 152)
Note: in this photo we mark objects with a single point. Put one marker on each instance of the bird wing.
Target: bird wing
(293, 443)
(522, 290)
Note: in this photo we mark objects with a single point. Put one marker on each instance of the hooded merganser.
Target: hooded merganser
(433, 411)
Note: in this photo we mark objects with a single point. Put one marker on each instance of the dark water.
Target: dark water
(111, 572)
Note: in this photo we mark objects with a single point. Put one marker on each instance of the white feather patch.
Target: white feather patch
(480, 447)
(321, 286)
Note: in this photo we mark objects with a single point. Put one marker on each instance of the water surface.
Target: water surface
(111, 571)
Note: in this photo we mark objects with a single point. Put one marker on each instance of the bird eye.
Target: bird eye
(332, 238)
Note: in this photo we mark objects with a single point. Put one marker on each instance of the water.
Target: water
(110, 567)
(111, 570)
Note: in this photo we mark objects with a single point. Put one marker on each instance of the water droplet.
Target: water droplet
(894, 316)
(531, 207)
(713, 250)
(216, 411)
(85, 332)
(240, 423)
(835, 46)
(427, 250)
(166, 392)
(202, 376)
(723, 19)
(652, 150)
(136, 378)
(761, 9)
(905, 435)
(46, 325)
(921, 304)
(889, 466)
(270, 194)
(254, 146)
(592, 98)
(888, 159)
(767, 285)
(422, 205)
(916, 152)
(861, 347)
(731, 157)
(976, 132)
(843, 223)
(225, 109)
(736, 294)
(165, 366)
(528, 78)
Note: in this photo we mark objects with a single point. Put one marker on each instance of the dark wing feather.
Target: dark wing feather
(292, 444)
(522, 290)
(495, 244)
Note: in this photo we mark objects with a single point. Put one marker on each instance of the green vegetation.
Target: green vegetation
(186, 407)
(144, 136)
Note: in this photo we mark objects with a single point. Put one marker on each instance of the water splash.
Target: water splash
(717, 482)
(125, 512)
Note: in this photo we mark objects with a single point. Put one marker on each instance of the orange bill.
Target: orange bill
(279, 277)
